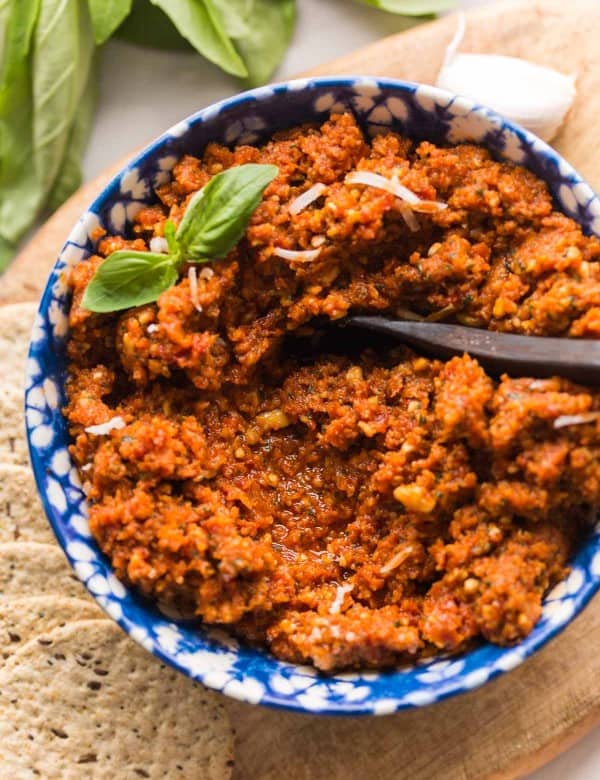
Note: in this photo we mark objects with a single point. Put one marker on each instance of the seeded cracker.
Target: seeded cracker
(13, 446)
(22, 619)
(32, 569)
(85, 701)
(16, 321)
(22, 518)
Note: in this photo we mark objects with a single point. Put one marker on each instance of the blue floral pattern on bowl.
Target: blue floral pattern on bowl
(207, 655)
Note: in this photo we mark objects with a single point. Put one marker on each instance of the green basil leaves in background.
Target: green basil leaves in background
(200, 23)
(411, 7)
(17, 190)
(63, 47)
(235, 15)
(214, 221)
(47, 54)
(150, 27)
(107, 15)
(70, 176)
(261, 31)
(48, 79)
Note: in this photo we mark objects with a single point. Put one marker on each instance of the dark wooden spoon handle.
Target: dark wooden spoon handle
(577, 359)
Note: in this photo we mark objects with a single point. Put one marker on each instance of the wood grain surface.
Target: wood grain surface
(521, 720)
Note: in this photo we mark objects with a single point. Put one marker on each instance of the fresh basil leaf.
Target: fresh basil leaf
(217, 216)
(148, 26)
(234, 16)
(411, 7)
(260, 31)
(4, 19)
(62, 55)
(270, 29)
(213, 222)
(7, 252)
(107, 15)
(19, 198)
(49, 46)
(19, 18)
(70, 176)
(199, 22)
(37, 106)
(170, 231)
(127, 279)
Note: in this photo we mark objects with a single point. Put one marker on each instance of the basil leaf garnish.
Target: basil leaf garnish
(214, 221)
(170, 231)
(217, 215)
(127, 279)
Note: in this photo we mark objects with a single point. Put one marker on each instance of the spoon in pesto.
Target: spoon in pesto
(499, 353)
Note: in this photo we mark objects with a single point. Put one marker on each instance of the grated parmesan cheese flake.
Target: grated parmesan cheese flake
(409, 217)
(566, 420)
(393, 186)
(308, 197)
(338, 601)
(103, 429)
(405, 552)
(301, 256)
(193, 278)
(159, 245)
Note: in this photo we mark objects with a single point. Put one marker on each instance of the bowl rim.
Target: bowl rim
(455, 686)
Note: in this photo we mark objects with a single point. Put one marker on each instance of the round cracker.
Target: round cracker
(16, 322)
(13, 444)
(86, 701)
(21, 515)
(22, 619)
(33, 569)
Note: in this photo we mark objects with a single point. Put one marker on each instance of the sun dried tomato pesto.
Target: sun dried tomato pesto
(352, 510)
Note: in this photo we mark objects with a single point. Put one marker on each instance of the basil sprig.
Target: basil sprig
(214, 221)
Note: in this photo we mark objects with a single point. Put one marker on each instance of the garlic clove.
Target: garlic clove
(531, 95)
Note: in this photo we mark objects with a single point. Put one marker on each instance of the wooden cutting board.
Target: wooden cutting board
(523, 719)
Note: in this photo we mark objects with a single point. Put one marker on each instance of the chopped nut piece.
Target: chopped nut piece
(415, 498)
(274, 420)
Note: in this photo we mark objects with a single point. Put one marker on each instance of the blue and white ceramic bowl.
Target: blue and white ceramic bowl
(206, 655)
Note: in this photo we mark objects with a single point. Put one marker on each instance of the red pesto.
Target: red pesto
(346, 511)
